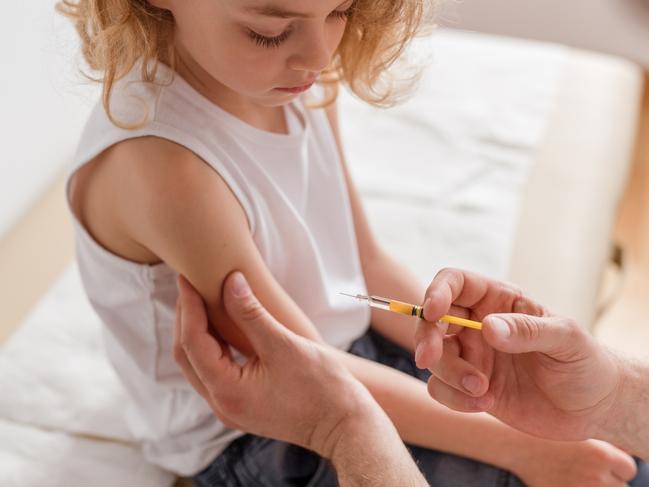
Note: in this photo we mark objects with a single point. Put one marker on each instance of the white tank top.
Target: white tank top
(294, 194)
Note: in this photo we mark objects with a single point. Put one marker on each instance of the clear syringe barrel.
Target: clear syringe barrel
(378, 302)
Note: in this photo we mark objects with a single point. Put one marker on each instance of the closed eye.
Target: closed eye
(276, 41)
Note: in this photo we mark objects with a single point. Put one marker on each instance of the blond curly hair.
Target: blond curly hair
(116, 34)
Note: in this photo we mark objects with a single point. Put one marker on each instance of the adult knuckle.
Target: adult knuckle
(522, 304)
(513, 290)
(573, 330)
(528, 328)
(572, 325)
(448, 274)
(252, 310)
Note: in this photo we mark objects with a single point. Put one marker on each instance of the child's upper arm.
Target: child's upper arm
(179, 208)
(367, 244)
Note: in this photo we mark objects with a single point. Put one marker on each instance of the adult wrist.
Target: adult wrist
(348, 426)
(370, 453)
(624, 424)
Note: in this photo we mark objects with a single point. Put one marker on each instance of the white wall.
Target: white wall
(619, 27)
(43, 102)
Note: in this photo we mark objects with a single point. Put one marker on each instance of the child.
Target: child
(205, 156)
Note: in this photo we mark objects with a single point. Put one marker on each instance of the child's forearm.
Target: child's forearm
(386, 277)
(421, 421)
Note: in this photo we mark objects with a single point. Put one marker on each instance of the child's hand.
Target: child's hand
(590, 463)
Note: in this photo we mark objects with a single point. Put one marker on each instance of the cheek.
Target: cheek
(229, 56)
(334, 34)
(256, 61)
(245, 65)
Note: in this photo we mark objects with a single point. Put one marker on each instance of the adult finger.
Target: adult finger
(181, 357)
(459, 374)
(453, 286)
(476, 294)
(214, 368)
(623, 466)
(429, 343)
(519, 333)
(265, 334)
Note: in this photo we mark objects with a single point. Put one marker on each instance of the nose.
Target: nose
(314, 53)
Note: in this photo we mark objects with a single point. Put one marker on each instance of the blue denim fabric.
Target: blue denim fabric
(261, 462)
(642, 477)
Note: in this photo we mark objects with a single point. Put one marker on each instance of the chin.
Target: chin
(277, 99)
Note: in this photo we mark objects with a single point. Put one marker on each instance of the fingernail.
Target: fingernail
(499, 327)
(471, 383)
(239, 285)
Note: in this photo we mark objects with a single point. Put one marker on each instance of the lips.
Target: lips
(298, 88)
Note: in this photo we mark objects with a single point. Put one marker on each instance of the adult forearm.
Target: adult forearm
(370, 453)
(627, 424)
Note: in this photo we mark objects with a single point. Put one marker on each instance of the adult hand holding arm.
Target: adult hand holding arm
(539, 373)
(291, 390)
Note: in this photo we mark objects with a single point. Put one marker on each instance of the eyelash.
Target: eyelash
(273, 42)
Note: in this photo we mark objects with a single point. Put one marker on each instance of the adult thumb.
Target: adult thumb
(245, 310)
(520, 333)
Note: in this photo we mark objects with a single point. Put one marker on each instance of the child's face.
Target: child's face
(248, 47)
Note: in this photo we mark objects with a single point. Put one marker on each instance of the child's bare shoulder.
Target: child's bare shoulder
(140, 183)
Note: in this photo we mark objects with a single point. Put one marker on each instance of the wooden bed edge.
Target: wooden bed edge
(32, 255)
(629, 312)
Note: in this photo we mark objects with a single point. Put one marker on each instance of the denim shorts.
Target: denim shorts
(262, 462)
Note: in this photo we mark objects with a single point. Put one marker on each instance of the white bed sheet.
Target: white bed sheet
(61, 421)
(53, 370)
(35, 457)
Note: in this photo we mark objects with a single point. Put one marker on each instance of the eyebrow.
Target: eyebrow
(270, 10)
